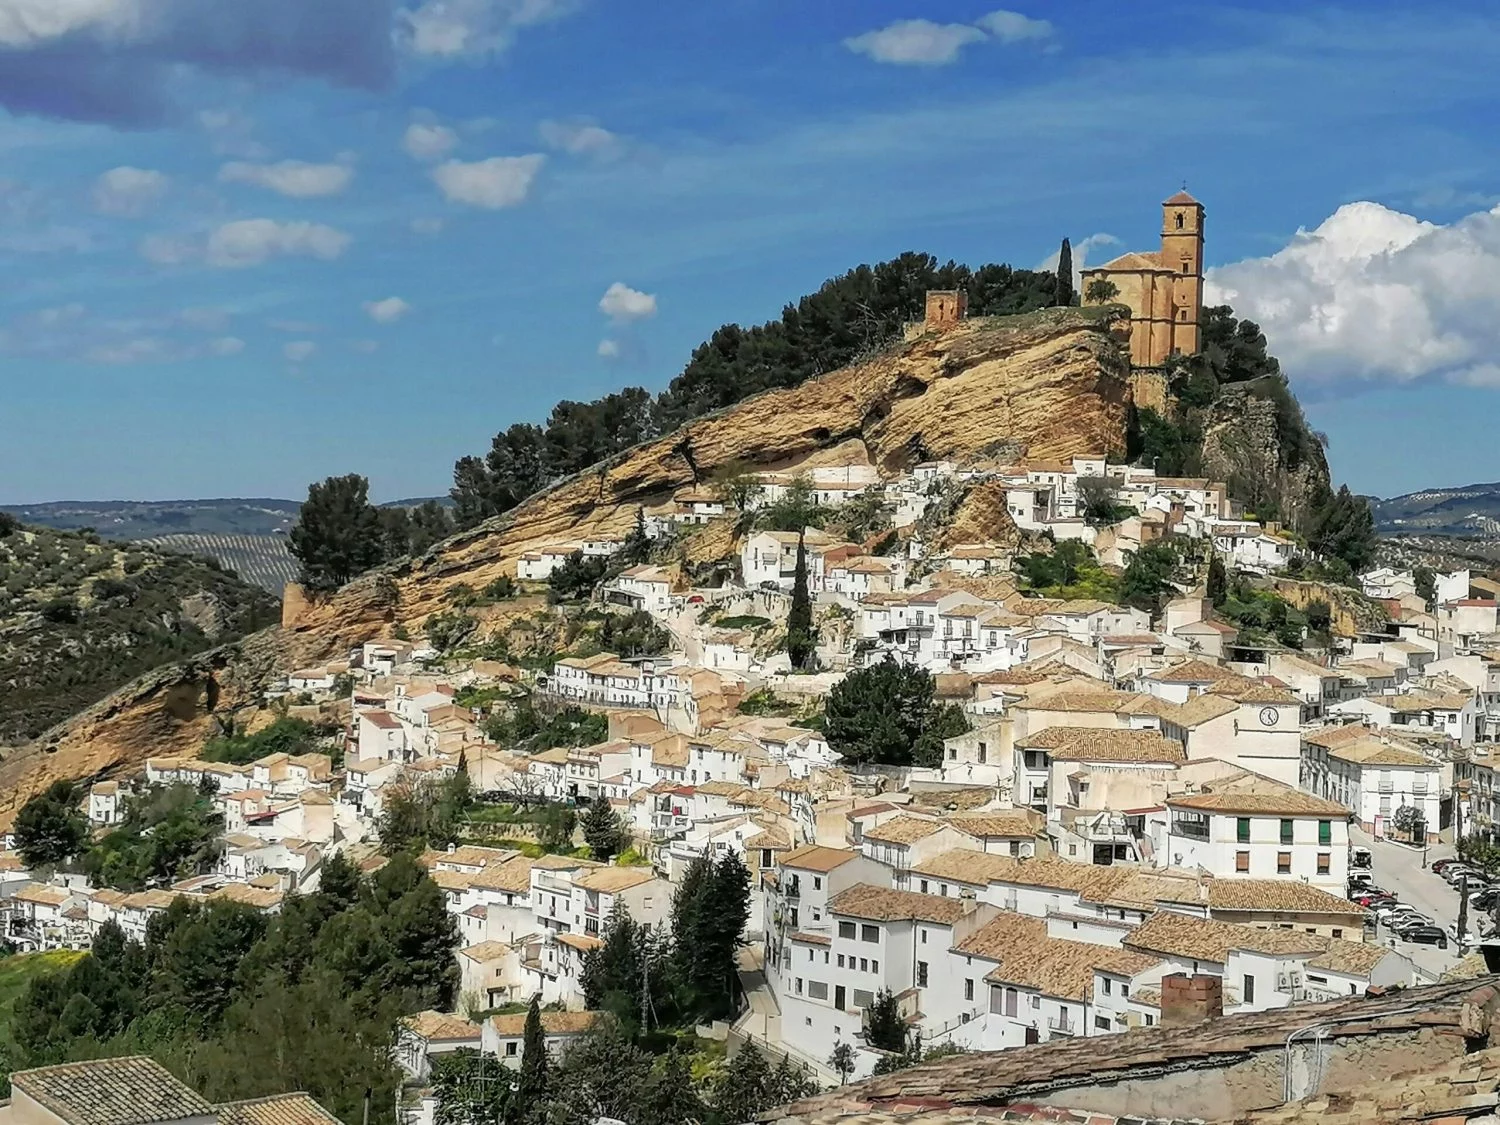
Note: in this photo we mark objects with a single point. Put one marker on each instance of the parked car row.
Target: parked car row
(1482, 888)
(1406, 922)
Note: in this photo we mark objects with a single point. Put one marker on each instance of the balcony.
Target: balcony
(553, 885)
(1061, 1025)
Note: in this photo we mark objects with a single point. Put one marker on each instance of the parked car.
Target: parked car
(1457, 872)
(1375, 902)
(1360, 857)
(1439, 864)
(1427, 935)
(1403, 923)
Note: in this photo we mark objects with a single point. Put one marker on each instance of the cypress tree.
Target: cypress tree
(1218, 582)
(602, 830)
(531, 1087)
(801, 641)
(1064, 293)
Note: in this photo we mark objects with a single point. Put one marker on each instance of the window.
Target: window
(799, 986)
(1125, 991)
(817, 989)
(982, 754)
(1015, 847)
(794, 917)
(1325, 833)
(874, 965)
(1036, 1000)
(1338, 933)
(921, 974)
(846, 930)
(1101, 1023)
(765, 857)
(969, 989)
(809, 954)
(869, 933)
(1242, 861)
(953, 753)
(924, 937)
(863, 999)
(1323, 863)
(1286, 831)
(511, 1048)
(1283, 863)
(1179, 220)
(1242, 830)
(817, 882)
(841, 960)
(1150, 1021)
(864, 964)
(1109, 987)
(1248, 992)
(924, 886)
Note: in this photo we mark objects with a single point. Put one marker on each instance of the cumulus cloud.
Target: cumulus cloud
(167, 250)
(128, 191)
(448, 29)
(387, 311)
(609, 349)
(925, 43)
(117, 61)
(579, 138)
(1013, 27)
(249, 242)
(428, 142)
(145, 349)
(299, 350)
(226, 346)
(427, 225)
(1372, 293)
(621, 303)
(500, 181)
(295, 178)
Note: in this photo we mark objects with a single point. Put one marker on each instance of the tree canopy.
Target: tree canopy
(338, 532)
(887, 714)
(50, 828)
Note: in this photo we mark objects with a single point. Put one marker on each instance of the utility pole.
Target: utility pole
(1463, 909)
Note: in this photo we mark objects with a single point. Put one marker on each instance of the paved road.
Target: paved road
(1400, 870)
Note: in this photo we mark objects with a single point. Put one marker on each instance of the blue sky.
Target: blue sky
(241, 254)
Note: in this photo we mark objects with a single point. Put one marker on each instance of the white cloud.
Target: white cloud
(472, 28)
(428, 142)
(29, 23)
(226, 346)
(427, 225)
(206, 318)
(1013, 27)
(1375, 294)
(299, 350)
(142, 350)
(387, 311)
(579, 138)
(916, 42)
(365, 347)
(295, 178)
(500, 181)
(249, 242)
(621, 303)
(128, 191)
(609, 349)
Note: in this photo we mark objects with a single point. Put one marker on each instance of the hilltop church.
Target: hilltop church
(1163, 288)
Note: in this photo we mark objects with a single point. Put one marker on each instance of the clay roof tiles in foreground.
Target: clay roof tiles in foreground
(815, 857)
(984, 1083)
(278, 1109)
(134, 1090)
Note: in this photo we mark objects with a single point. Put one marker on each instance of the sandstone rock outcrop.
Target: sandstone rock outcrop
(1052, 383)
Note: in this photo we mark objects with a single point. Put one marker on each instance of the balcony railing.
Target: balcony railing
(1061, 1025)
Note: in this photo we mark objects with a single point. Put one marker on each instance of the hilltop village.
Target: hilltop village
(1011, 751)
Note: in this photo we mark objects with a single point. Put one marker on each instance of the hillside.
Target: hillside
(261, 560)
(148, 519)
(1471, 511)
(80, 616)
(1049, 384)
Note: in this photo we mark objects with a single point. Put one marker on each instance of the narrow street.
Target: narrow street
(1401, 871)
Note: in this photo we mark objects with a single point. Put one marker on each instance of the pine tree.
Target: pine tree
(338, 533)
(1064, 293)
(884, 1027)
(742, 1090)
(531, 1087)
(602, 830)
(841, 1061)
(801, 640)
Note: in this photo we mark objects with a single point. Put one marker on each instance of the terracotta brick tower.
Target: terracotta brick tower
(945, 308)
(1182, 253)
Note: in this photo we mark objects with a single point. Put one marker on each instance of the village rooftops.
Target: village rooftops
(1332, 737)
(485, 951)
(439, 1027)
(382, 719)
(1270, 799)
(1276, 896)
(1065, 969)
(1244, 690)
(903, 830)
(613, 880)
(1193, 672)
(512, 877)
(42, 894)
(1101, 701)
(1372, 751)
(882, 904)
(1096, 744)
(1201, 709)
(1180, 935)
(815, 857)
(1000, 823)
(1367, 670)
(133, 1090)
(1002, 934)
(278, 1109)
(975, 868)
(468, 855)
(1354, 957)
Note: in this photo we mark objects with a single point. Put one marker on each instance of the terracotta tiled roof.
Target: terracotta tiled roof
(133, 1090)
(485, 951)
(432, 1025)
(613, 880)
(962, 865)
(1287, 896)
(553, 1023)
(1371, 751)
(1202, 709)
(1003, 934)
(882, 904)
(1012, 823)
(1065, 969)
(1281, 799)
(814, 857)
(1094, 744)
(1180, 935)
(581, 942)
(513, 876)
(278, 1109)
(903, 830)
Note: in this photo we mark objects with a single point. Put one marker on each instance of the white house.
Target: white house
(1259, 829)
(538, 565)
(1373, 776)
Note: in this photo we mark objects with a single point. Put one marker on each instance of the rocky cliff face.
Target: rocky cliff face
(1051, 384)
(1266, 453)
